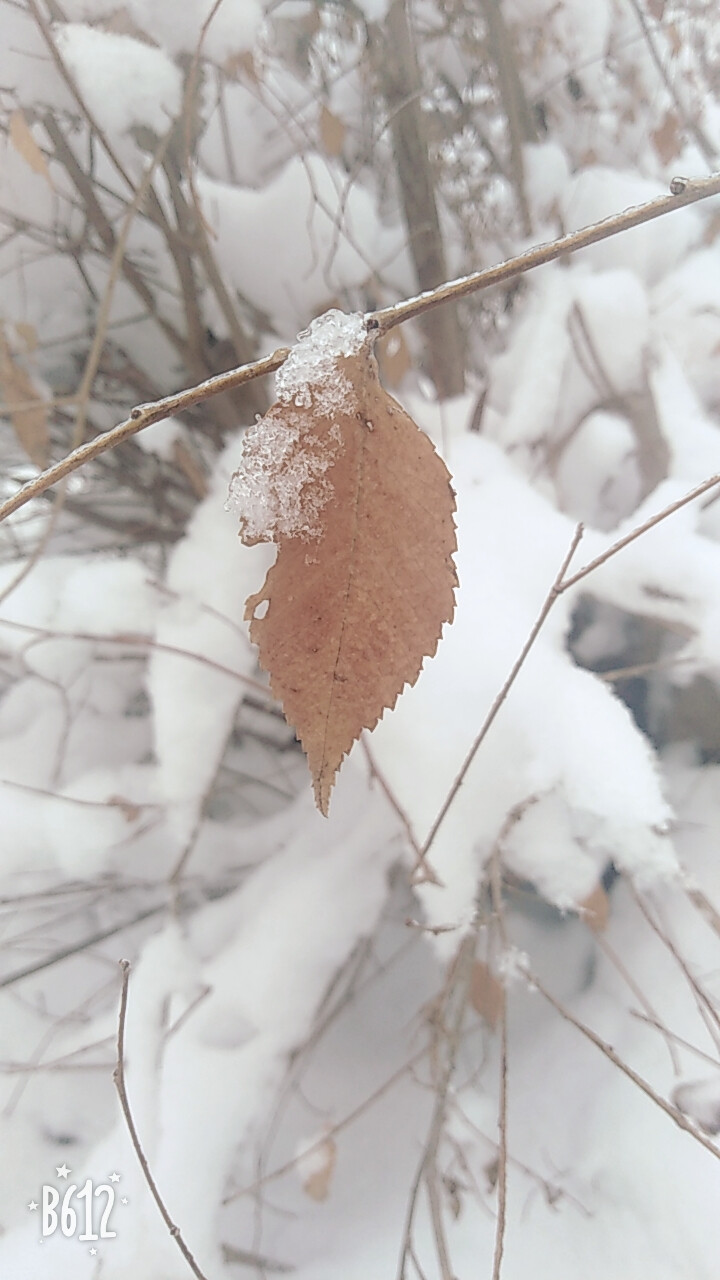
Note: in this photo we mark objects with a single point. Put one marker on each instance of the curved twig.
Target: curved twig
(119, 1081)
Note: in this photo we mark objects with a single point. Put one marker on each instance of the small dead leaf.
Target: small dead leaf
(242, 66)
(393, 357)
(667, 138)
(364, 580)
(25, 406)
(129, 810)
(317, 1167)
(487, 994)
(21, 137)
(27, 333)
(595, 909)
(332, 132)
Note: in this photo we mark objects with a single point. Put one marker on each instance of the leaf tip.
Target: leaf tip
(322, 786)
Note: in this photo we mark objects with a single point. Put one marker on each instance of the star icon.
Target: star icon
(124, 1200)
(32, 1205)
(114, 1177)
(62, 1171)
(93, 1252)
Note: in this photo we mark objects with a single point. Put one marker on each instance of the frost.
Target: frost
(513, 966)
(310, 375)
(281, 487)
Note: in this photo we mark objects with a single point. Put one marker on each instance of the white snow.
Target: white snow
(310, 374)
(124, 81)
(304, 238)
(194, 702)
(280, 489)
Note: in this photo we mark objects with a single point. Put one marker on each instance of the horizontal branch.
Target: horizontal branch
(684, 192)
(143, 415)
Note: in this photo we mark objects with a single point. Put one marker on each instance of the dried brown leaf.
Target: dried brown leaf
(487, 994)
(352, 609)
(21, 137)
(242, 65)
(27, 410)
(316, 1183)
(129, 810)
(27, 333)
(332, 132)
(595, 909)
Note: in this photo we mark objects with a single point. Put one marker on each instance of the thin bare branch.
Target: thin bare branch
(502, 1147)
(685, 192)
(689, 121)
(82, 397)
(673, 1112)
(454, 1005)
(498, 905)
(552, 595)
(119, 1081)
(142, 416)
(625, 541)
(75, 948)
